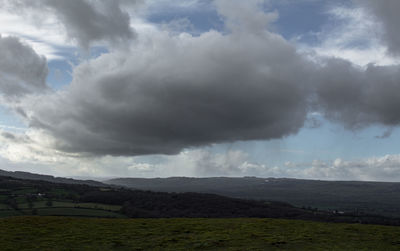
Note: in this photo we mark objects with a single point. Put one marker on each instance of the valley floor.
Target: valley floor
(66, 233)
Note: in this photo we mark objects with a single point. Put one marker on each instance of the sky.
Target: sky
(304, 89)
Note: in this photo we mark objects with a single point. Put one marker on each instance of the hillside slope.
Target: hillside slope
(349, 196)
(49, 178)
(34, 197)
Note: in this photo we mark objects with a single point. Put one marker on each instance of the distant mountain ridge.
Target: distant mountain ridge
(49, 178)
(371, 197)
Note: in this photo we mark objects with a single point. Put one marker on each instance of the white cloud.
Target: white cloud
(354, 35)
(383, 168)
(19, 152)
(46, 39)
(12, 128)
(386, 13)
(154, 7)
(32, 149)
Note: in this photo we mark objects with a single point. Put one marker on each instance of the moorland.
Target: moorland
(65, 214)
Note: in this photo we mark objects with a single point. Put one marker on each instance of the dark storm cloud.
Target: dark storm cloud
(359, 97)
(85, 21)
(88, 21)
(172, 92)
(22, 71)
(184, 92)
(387, 12)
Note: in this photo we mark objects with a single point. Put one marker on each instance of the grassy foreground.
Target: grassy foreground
(62, 233)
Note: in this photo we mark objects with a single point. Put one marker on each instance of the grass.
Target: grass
(65, 211)
(98, 206)
(8, 213)
(4, 206)
(25, 191)
(61, 211)
(20, 199)
(43, 203)
(59, 192)
(58, 208)
(63, 233)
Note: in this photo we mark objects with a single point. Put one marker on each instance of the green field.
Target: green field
(37, 198)
(65, 211)
(62, 233)
(42, 204)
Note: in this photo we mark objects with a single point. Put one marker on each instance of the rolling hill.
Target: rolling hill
(20, 197)
(344, 196)
(49, 178)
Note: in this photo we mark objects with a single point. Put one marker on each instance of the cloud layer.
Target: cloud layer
(168, 92)
(358, 97)
(85, 21)
(22, 71)
(386, 12)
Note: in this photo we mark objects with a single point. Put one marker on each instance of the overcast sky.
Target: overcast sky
(301, 89)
